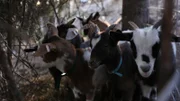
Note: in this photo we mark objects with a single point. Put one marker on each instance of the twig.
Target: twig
(25, 62)
(24, 78)
(54, 9)
(19, 52)
(23, 15)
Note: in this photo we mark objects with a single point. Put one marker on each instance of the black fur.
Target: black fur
(107, 52)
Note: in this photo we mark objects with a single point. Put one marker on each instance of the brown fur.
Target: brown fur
(76, 67)
(82, 74)
(101, 24)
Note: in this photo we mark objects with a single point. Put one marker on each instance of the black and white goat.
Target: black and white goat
(145, 45)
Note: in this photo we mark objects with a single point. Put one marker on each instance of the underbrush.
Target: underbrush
(42, 89)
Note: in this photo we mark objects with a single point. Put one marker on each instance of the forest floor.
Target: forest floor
(42, 89)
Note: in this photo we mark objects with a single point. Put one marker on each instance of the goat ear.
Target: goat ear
(52, 30)
(157, 24)
(120, 36)
(96, 16)
(44, 48)
(71, 26)
(71, 21)
(89, 18)
(175, 38)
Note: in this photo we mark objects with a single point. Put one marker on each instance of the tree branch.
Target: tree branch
(54, 9)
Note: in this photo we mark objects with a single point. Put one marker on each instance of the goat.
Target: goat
(145, 45)
(56, 74)
(91, 28)
(67, 31)
(119, 62)
(101, 24)
(67, 59)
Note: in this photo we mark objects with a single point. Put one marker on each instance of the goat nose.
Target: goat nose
(145, 68)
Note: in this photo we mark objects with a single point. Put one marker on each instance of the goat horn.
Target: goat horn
(133, 25)
(157, 24)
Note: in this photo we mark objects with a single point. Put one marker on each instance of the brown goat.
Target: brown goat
(74, 62)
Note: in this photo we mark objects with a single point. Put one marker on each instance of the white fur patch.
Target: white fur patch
(47, 48)
(127, 31)
(87, 54)
(72, 33)
(76, 92)
(174, 48)
(38, 62)
(95, 41)
(59, 63)
(144, 39)
(146, 90)
(77, 23)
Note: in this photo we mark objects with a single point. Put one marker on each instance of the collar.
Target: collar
(115, 71)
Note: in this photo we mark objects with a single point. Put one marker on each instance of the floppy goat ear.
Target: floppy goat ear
(44, 48)
(120, 36)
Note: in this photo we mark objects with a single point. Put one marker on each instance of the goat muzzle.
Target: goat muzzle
(93, 64)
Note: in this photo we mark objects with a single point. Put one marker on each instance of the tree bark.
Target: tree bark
(167, 67)
(136, 11)
(12, 88)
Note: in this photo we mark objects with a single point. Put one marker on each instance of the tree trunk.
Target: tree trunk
(12, 88)
(136, 11)
(166, 68)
